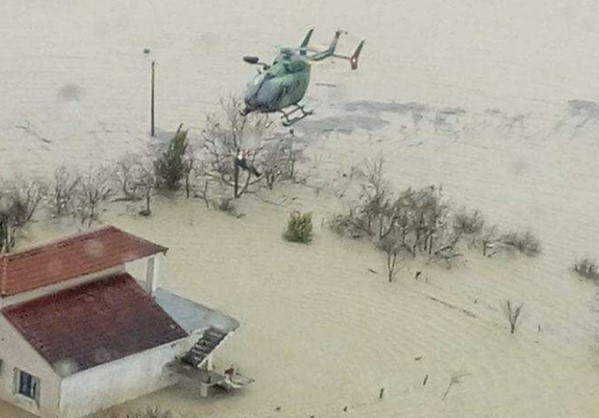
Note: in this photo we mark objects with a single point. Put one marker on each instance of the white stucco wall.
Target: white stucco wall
(15, 352)
(103, 386)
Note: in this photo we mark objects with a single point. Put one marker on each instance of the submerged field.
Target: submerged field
(495, 102)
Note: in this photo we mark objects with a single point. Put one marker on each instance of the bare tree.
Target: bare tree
(145, 180)
(19, 200)
(279, 158)
(393, 246)
(189, 168)
(490, 241)
(513, 314)
(63, 190)
(93, 188)
(469, 225)
(226, 136)
(375, 214)
(455, 379)
(125, 175)
(414, 222)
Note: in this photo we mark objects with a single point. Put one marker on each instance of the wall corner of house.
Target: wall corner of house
(3, 270)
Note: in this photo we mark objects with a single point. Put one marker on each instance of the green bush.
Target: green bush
(171, 166)
(299, 227)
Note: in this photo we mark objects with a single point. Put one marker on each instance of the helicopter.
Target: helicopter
(283, 84)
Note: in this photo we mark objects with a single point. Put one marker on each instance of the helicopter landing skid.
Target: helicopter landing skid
(288, 122)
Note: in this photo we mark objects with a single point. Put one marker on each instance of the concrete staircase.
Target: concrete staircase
(211, 339)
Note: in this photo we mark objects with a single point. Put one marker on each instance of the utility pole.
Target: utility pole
(152, 104)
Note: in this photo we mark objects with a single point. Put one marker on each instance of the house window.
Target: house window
(27, 385)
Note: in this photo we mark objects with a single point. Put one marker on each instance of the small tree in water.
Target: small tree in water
(171, 166)
(393, 246)
(19, 200)
(299, 228)
(513, 315)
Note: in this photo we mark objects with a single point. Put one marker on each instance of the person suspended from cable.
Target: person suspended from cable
(242, 161)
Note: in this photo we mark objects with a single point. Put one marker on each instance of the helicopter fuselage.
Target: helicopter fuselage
(280, 85)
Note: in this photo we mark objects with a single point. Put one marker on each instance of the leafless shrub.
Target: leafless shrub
(226, 135)
(136, 176)
(62, 191)
(26, 195)
(92, 189)
(278, 160)
(469, 225)
(270, 157)
(145, 181)
(344, 225)
(375, 211)
(526, 243)
(227, 205)
(151, 413)
(148, 413)
(413, 222)
(189, 170)
(392, 245)
(126, 175)
(587, 268)
(490, 241)
(513, 315)
(19, 200)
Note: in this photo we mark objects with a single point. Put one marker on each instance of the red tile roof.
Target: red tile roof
(94, 323)
(71, 257)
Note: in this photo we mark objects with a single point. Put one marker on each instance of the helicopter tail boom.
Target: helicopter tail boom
(330, 51)
(353, 60)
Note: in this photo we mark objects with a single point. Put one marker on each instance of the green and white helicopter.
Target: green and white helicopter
(283, 84)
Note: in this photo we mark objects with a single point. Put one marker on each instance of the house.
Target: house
(79, 333)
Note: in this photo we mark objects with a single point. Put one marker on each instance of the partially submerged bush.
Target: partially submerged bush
(224, 204)
(171, 166)
(469, 224)
(588, 269)
(513, 315)
(63, 190)
(92, 190)
(420, 222)
(19, 200)
(344, 225)
(526, 243)
(150, 412)
(299, 228)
